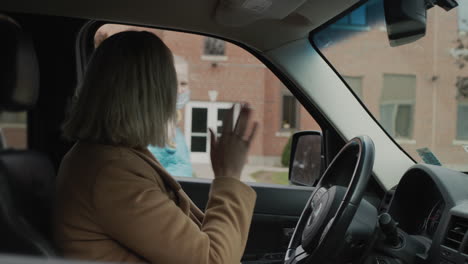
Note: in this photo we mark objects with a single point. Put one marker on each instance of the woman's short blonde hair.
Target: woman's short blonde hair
(128, 94)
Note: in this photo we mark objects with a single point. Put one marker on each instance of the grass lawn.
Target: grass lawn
(275, 177)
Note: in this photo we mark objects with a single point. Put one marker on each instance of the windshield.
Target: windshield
(417, 92)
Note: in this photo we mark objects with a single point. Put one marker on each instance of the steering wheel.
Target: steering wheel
(336, 220)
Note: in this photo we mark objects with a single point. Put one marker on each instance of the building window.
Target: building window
(10, 118)
(290, 111)
(462, 10)
(397, 105)
(214, 47)
(355, 83)
(13, 130)
(462, 108)
(462, 120)
(356, 18)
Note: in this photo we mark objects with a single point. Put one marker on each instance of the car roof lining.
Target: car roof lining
(263, 32)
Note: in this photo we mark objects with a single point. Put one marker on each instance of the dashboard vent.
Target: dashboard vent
(456, 232)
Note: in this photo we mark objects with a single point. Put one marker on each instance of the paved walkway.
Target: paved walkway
(205, 171)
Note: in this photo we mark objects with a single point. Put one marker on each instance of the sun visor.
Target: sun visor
(237, 13)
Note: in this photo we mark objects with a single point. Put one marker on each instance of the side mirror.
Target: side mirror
(306, 160)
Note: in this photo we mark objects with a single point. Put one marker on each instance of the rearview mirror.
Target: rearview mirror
(306, 159)
(406, 19)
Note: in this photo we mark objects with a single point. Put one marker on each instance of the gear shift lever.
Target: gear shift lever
(389, 228)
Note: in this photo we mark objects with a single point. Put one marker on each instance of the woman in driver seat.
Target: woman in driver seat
(115, 202)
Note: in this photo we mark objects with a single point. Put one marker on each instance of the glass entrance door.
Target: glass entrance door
(199, 116)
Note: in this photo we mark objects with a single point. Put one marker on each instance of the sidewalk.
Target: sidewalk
(205, 171)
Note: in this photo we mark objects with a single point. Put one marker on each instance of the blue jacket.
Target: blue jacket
(175, 160)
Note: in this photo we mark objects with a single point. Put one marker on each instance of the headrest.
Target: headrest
(19, 70)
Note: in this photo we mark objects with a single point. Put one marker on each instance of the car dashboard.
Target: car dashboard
(430, 204)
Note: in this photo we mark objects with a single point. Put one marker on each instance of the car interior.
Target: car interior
(370, 202)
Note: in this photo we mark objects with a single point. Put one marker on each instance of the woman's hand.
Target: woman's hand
(229, 152)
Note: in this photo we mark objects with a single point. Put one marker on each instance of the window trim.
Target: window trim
(458, 142)
(214, 57)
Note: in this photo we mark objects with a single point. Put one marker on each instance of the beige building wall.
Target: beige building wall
(431, 60)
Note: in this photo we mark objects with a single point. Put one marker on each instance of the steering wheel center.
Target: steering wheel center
(323, 206)
(318, 205)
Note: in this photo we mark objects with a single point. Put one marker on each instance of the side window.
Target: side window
(213, 75)
(397, 105)
(13, 133)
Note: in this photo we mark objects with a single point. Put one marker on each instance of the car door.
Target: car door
(276, 213)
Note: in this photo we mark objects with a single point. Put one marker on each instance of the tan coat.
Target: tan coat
(119, 205)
